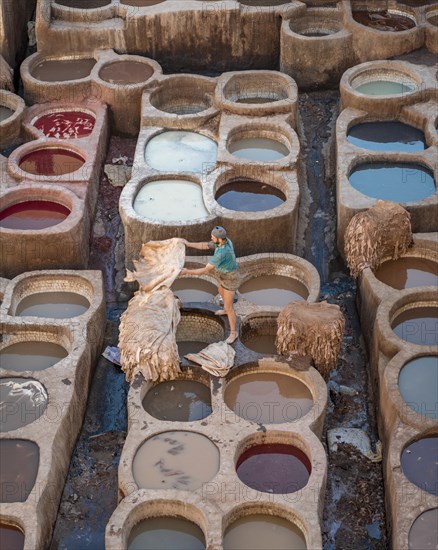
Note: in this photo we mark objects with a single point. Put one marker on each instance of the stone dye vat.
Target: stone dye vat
(58, 305)
(387, 136)
(258, 333)
(194, 289)
(60, 70)
(408, 272)
(419, 460)
(12, 537)
(42, 365)
(166, 532)
(197, 329)
(424, 531)
(249, 196)
(417, 325)
(273, 290)
(258, 149)
(418, 385)
(33, 215)
(11, 115)
(51, 161)
(66, 124)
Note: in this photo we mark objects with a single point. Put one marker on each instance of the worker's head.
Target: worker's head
(218, 234)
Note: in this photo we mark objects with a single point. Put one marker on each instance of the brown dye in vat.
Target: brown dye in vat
(5, 113)
(166, 533)
(33, 215)
(19, 461)
(178, 401)
(275, 468)
(51, 161)
(190, 346)
(141, 3)
(175, 460)
(424, 531)
(419, 462)
(11, 538)
(31, 356)
(58, 305)
(84, 4)
(418, 326)
(260, 532)
(268, 398)
(256, 100)
(384, 21)
(22, 401)
(126, 72)
(194, 290)
(273, 290)
(261, 343)
(408, 273)
(59, 70)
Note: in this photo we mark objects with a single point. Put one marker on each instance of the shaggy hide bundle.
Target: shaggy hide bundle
(217, 359)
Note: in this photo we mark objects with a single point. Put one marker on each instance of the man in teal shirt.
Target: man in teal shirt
(223, 264)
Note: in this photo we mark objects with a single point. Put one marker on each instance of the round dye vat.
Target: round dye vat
(268, 397)
(171, 460)
(419, 462)
(66, 124)
(20, 461)
(21, 402)
(260, 532)
(58, 305)
(396, 182)
(276, 469)
(385, 87)
(126, 72)
(387, 136)
(273, 290)
(433, 20)
(59, 70)
(84, 4)
(424, 531)
(408, 272)
(259, 342)
(258, 149)
(190, 346)
(141, 3)
(171, 201)
(384, 20)
(33, 215)
(11, 537)
(418, 326)
(256, 100)
(177, 151)
(191, 289)
(178, 401)
(5, 113)
(51, 161)
(249, 196)
(31, 356)
(418, 385)
(166, 533)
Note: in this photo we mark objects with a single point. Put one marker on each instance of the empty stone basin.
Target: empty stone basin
(387, 136)
(11, 537)
(51, 161)
(31, 356)
(191, 289)
(268, 397)
(5, 113)
(20, 461)
(249, 196)
(260, 531)
(424, 531)
(164, 533)
(398, 182)
(419, 463)
(171, 201)
(33, 215)
(22, 401)
(408, 272)
(178, 401)
(418, 385)
(178, 151)
(312, 26)
(385, 20)
(180, 95)
(172, 460)
(60, 70)
(126, 72)
(84, 4)
(258, 334)
(256, 88)
(274, 468)
(58, 305)
(66, 124)
(418, 325)
(258, 149)
(273, 290)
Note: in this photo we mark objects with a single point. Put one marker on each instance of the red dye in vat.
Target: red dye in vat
(51, 162)
(66, 124)
(33, 215)
(276, 468)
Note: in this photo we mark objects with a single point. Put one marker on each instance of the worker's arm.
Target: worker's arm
(198, 246)
(201, 271)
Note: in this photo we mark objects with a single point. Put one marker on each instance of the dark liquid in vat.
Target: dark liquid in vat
(408, 272)
(249, 196)
(190, 346)
(60, 305)
(194, 290)
(418, 385)
(5, 113)
(384, 21)
(166, 533)
(418, 326)
(419, 462)
(22, 401)
(261, 343)
(51, 162)
(33, 215)
(31, 356)
(19, 461)
(126, 72)
(387, 136)
(273, 290)
(84, 4)
(424, 531)
(59, 70)
(11, 538)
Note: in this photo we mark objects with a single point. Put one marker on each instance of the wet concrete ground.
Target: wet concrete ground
(354, 515)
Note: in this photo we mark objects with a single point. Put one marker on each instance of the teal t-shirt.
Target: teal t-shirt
(224, 258)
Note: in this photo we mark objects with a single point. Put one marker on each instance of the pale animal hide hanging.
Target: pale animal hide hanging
(147, 328)
(383, 231)
(217, 358)
(314, 330)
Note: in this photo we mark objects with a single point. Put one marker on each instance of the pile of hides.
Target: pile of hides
(217, 359)
(315, 330)
(147, 328)
(384, 231)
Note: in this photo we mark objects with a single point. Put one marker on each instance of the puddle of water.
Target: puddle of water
(419, 464)
(31, 356)
(418, 385)
(418, 326)
(59, 70)
(387, 136)
(19, 459)
(408, 272)
(166, 533)
(33, 215)
(58, 305)
(273, 290)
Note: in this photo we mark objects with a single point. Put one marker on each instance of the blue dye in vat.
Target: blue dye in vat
(387, 136)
